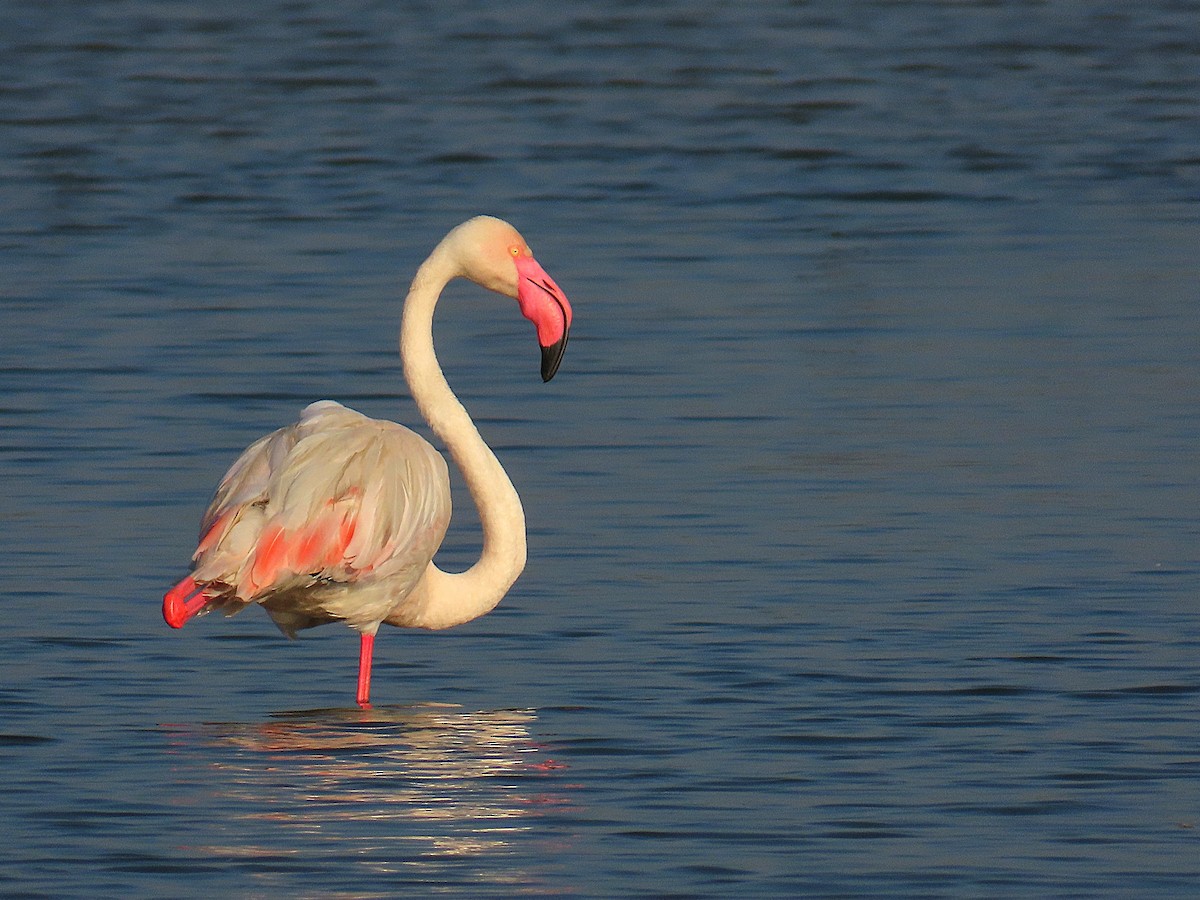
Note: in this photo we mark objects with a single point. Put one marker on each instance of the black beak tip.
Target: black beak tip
(552, 356)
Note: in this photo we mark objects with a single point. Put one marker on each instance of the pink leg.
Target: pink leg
(366, 647)
(182, 602)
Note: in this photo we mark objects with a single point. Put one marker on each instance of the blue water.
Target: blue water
(864, 543)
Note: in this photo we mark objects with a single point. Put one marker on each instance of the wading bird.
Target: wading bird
(337, 517)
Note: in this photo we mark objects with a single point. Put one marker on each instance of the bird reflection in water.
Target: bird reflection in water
(391, 789)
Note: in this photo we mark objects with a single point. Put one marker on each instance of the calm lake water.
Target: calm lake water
(864, 531)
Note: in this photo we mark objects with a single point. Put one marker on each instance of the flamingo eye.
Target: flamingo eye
(515, 250)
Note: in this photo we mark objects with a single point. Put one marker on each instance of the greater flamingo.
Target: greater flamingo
(337, 517)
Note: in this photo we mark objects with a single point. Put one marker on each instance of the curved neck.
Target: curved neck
(444, 599)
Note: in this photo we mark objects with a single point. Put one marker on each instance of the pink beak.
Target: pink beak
(545, 305)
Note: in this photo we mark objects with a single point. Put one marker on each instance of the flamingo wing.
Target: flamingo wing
(336, 499)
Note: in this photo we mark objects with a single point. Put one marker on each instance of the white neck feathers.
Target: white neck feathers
(442, 600)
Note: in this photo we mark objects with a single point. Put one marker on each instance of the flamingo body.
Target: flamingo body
(338, 516)
(329, 519)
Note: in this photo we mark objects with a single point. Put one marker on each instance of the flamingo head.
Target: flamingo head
(493, 254)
